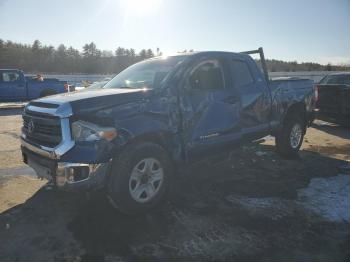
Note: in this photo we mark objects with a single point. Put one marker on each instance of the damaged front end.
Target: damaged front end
(72, 154)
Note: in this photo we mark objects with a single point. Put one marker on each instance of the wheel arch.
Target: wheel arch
(158, 138)
(165, 139)
(298, 108)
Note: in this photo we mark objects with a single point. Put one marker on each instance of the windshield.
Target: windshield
(147, 74)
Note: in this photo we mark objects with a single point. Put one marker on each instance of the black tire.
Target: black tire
(286, 143)
(119, 188)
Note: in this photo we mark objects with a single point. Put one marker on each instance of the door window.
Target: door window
(10, 76)
(207, 75)
(241, 73)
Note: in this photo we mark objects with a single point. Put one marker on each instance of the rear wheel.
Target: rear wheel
(290, 138)
(140, 178)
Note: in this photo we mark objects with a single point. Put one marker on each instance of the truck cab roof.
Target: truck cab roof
(205, 53)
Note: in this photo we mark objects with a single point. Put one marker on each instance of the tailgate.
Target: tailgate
(334, 98)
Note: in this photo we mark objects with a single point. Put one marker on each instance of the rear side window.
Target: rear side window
(208, 74)
(241, 73)
(9, 76)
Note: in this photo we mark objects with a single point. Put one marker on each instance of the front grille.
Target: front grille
(43, 129)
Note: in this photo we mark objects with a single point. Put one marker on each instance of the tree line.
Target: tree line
(283, 66)
(39, 58)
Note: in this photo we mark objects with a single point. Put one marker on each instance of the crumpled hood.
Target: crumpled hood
(86, 101)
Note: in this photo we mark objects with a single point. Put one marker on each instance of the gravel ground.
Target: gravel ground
(254, 206)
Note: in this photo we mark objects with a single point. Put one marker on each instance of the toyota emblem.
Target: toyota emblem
(31, 127)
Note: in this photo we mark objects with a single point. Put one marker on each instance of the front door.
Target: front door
(210, 107)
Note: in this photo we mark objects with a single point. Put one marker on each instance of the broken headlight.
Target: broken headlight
(85, 131)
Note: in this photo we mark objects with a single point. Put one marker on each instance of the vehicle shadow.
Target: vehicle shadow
(333, 129)
(196, 224)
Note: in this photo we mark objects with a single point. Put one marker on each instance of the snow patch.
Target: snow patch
(327, 197)
(271, 207)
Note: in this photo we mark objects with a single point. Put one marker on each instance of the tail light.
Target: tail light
(316, 93)
(66, 87)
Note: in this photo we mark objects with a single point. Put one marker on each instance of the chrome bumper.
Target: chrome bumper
(93, 175)
(72, 176)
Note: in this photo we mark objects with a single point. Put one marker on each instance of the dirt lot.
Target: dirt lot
(255, 206)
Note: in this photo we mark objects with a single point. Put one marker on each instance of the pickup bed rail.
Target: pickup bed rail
(260, 51)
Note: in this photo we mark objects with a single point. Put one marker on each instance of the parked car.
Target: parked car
(14, 86)
(334, 99)
(159, 115)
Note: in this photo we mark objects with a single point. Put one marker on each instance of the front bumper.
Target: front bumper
(65, 175)
(79, 176)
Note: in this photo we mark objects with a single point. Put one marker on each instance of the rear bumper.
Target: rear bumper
(68, 176)
(332, 117)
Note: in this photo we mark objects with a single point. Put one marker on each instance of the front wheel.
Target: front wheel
(140, 178)
(290, 138)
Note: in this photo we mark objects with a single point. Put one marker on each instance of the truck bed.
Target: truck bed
(297, 87)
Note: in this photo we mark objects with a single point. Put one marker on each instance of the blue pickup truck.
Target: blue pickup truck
(14, 86)
(160, 115)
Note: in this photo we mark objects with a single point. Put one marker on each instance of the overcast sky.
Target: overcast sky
(301, 30)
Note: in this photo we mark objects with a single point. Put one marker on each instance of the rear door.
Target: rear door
(255, 107)
(12, 86)
(210, 108)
